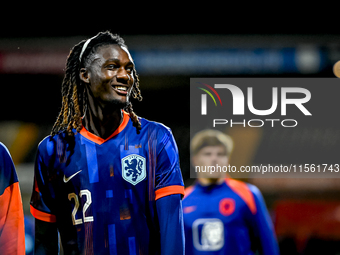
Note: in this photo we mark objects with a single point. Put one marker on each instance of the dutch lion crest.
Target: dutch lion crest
(133, 168)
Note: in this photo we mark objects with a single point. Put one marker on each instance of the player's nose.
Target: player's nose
(123, 76)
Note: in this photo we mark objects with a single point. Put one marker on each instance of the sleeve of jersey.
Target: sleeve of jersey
(168, 176)
(12, 232)
(171, 224)
(42, 194)
(263, 226)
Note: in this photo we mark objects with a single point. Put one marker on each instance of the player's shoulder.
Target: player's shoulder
(150, 124)
(254, 189)
(154, 128)
(2, 147)
(244, 186)
(8, 174)
(249, 193)
(188, 191)
(4, 151)
(46, 143)
(6, 161)
(49, 144)
(241, 185)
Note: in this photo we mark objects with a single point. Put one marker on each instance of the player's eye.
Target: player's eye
(112, 66)
(129, 69)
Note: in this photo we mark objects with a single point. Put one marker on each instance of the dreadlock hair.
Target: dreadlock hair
(73, 89)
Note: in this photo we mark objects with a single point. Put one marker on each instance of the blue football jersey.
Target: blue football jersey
(230, 218)
(102, 193)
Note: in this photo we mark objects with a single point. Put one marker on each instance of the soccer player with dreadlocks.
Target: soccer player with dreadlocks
(106, 180)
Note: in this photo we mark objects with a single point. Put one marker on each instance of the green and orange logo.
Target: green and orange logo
(204, 97)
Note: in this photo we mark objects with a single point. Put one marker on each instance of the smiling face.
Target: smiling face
(109, 76)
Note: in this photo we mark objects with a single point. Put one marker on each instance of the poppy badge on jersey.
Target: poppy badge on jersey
(133, 168)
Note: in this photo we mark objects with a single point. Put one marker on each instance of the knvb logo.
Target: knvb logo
(239, 99)
(133, 168)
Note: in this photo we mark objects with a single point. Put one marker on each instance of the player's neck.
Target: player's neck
(210, 181)
(102, 121)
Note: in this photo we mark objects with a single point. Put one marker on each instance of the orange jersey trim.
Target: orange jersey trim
(99, 140)
(12, 228)
(241, 189)
(42, 215)
(170, 190)
(36, 188)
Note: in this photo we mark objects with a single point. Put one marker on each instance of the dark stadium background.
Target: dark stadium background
(34, 47)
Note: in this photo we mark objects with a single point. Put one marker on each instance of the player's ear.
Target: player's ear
(84, 75)
(194, 161)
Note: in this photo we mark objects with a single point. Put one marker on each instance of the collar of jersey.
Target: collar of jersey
(98, 140)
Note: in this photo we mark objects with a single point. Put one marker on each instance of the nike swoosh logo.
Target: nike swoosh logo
(69, 178)
(189, 209)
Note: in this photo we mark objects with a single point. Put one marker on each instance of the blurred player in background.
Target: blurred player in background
(12, 230)
(223, 215)
(108, 181)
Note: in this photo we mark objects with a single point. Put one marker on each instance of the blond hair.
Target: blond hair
(211, 137)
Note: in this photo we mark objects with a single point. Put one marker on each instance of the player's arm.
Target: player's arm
(168, 195)
(170, 215)
(46, 238)
(263, 226)
(42, 204)
(12, 233)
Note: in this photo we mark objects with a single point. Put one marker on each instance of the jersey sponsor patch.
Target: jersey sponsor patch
(133, 168)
